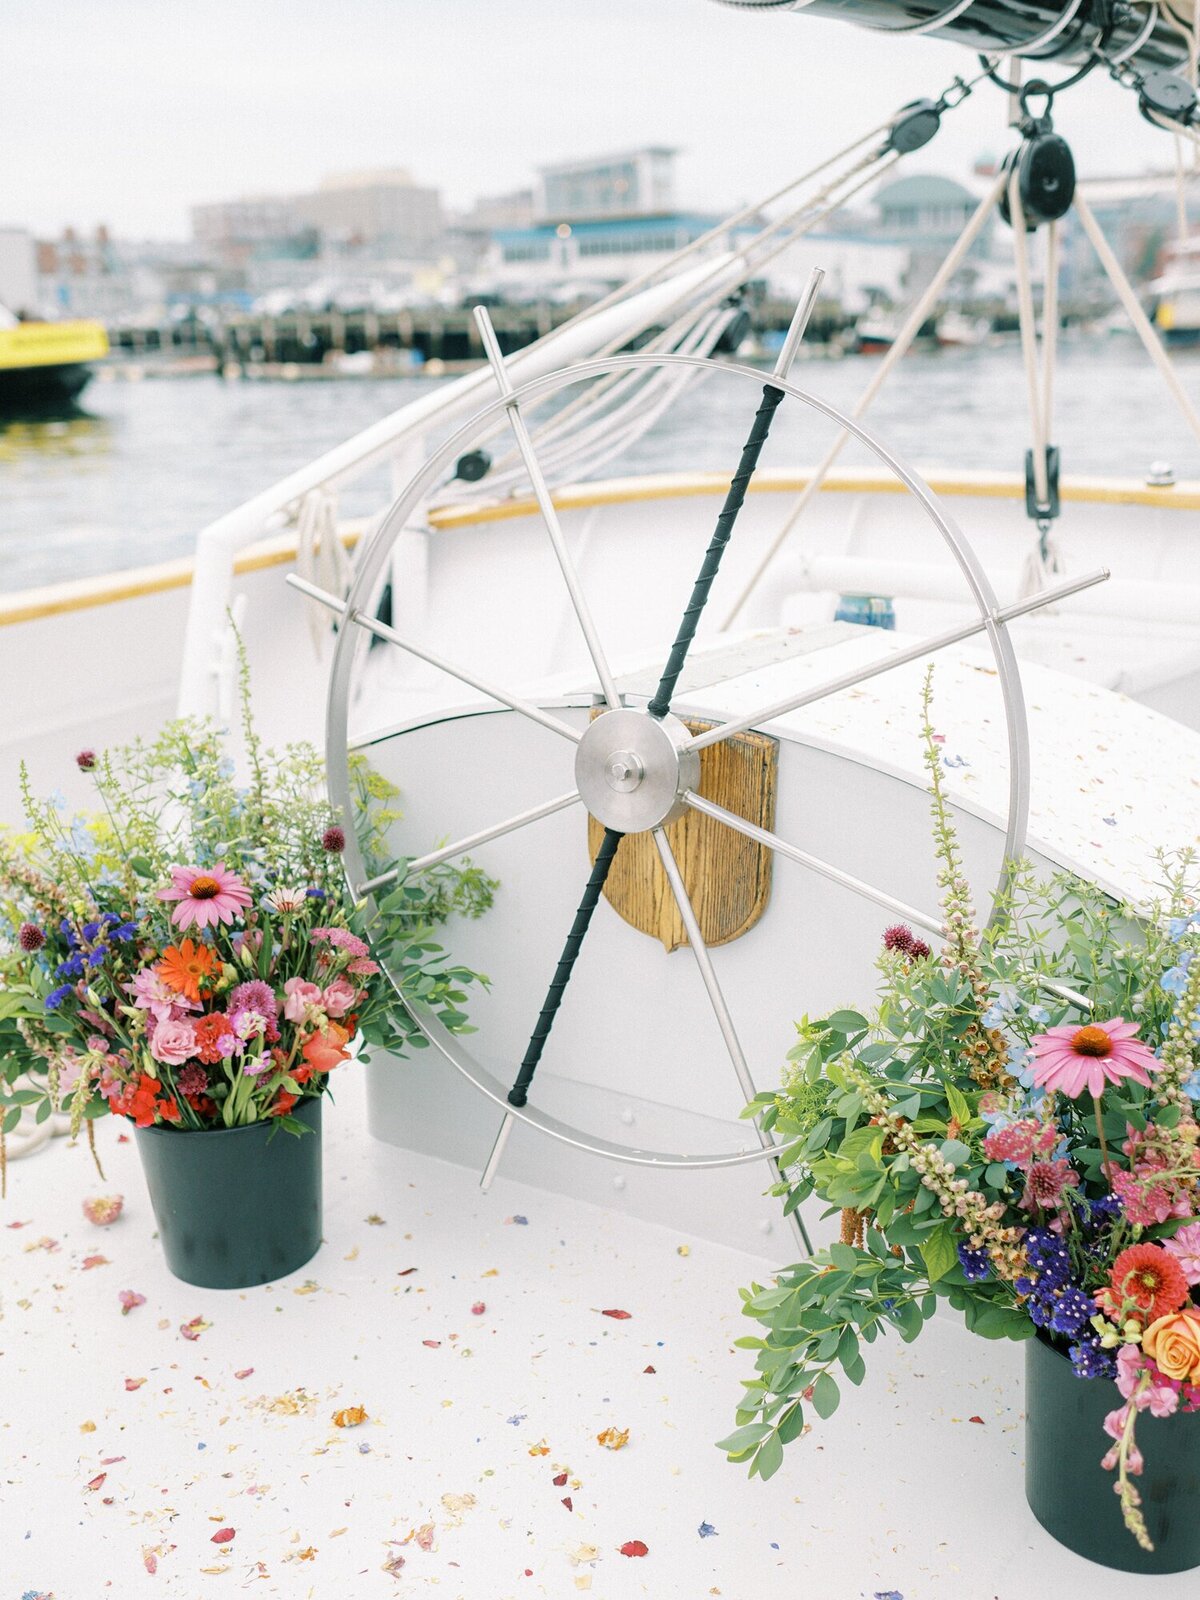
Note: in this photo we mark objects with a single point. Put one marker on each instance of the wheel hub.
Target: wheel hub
(633, 769)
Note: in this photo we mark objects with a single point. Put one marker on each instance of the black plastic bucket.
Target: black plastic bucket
(1072, 1496)
(236, 1207)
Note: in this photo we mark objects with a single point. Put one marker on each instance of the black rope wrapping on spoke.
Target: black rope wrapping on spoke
(605, 856)
(740, 482)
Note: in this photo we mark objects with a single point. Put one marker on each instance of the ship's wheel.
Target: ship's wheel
(632, 760)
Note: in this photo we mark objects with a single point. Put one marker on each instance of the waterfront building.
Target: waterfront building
(18, 271)
(375, 208)
(635, 183)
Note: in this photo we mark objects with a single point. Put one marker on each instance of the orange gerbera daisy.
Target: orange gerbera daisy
(188, 968)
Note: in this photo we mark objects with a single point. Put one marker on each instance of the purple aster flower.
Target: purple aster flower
(57, 996)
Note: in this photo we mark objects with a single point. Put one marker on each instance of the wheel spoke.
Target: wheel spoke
(898, 658)
(471, 842)
(716, 999)
(772, 841)
(381, 630)
(804, 858)
(772, 397)
(541, 494)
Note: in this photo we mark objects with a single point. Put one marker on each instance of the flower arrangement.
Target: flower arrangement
(188, 954)
(1011, 1130)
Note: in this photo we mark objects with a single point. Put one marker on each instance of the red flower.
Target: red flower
(1150, 1277)
(324, 1051)
(283, 1104)
(169, 1111)
(208, 1031)
(138, 1102)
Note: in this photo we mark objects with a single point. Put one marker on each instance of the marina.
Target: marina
(601, 833)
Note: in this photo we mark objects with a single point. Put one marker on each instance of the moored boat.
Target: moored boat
(46, 363)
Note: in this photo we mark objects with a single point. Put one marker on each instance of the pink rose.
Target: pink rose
(300, 995)
(173, 1042)
(338, 997)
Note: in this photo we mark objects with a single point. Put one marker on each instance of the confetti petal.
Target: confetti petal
(568, 1502)
(349, 1417)
(103, 1209)
(620, 1316)
(94, 1483)
(634, 1547)
(706, 1530)
(244, 1373)
(613, 1438)
(94, 1261)
(130, 1300)
(521, 1222)
(194, 1328)
(478, 1308)
(134, 1383)
(222, 1536)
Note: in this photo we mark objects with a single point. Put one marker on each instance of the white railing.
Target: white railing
(396, 436)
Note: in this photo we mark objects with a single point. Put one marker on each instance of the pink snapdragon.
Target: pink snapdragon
(1159, 1396)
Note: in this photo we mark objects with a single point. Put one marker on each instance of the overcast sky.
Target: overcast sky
(128, 111)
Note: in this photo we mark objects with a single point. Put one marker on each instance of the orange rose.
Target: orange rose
(1174, 1343)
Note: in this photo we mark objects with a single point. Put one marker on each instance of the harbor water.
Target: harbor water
(140, 467)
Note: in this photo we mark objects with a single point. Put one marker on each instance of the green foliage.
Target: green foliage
(173, 799)
(885, 1112)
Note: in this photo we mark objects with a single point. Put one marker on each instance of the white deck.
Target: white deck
(914, 1489)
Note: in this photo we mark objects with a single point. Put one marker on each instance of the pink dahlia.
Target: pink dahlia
(1070, 1060)
(206, 896)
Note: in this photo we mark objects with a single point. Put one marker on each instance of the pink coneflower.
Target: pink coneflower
(206, 896)
(30, 937)
(1071, 1060)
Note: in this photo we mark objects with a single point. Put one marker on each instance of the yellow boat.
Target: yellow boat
(43, 362)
